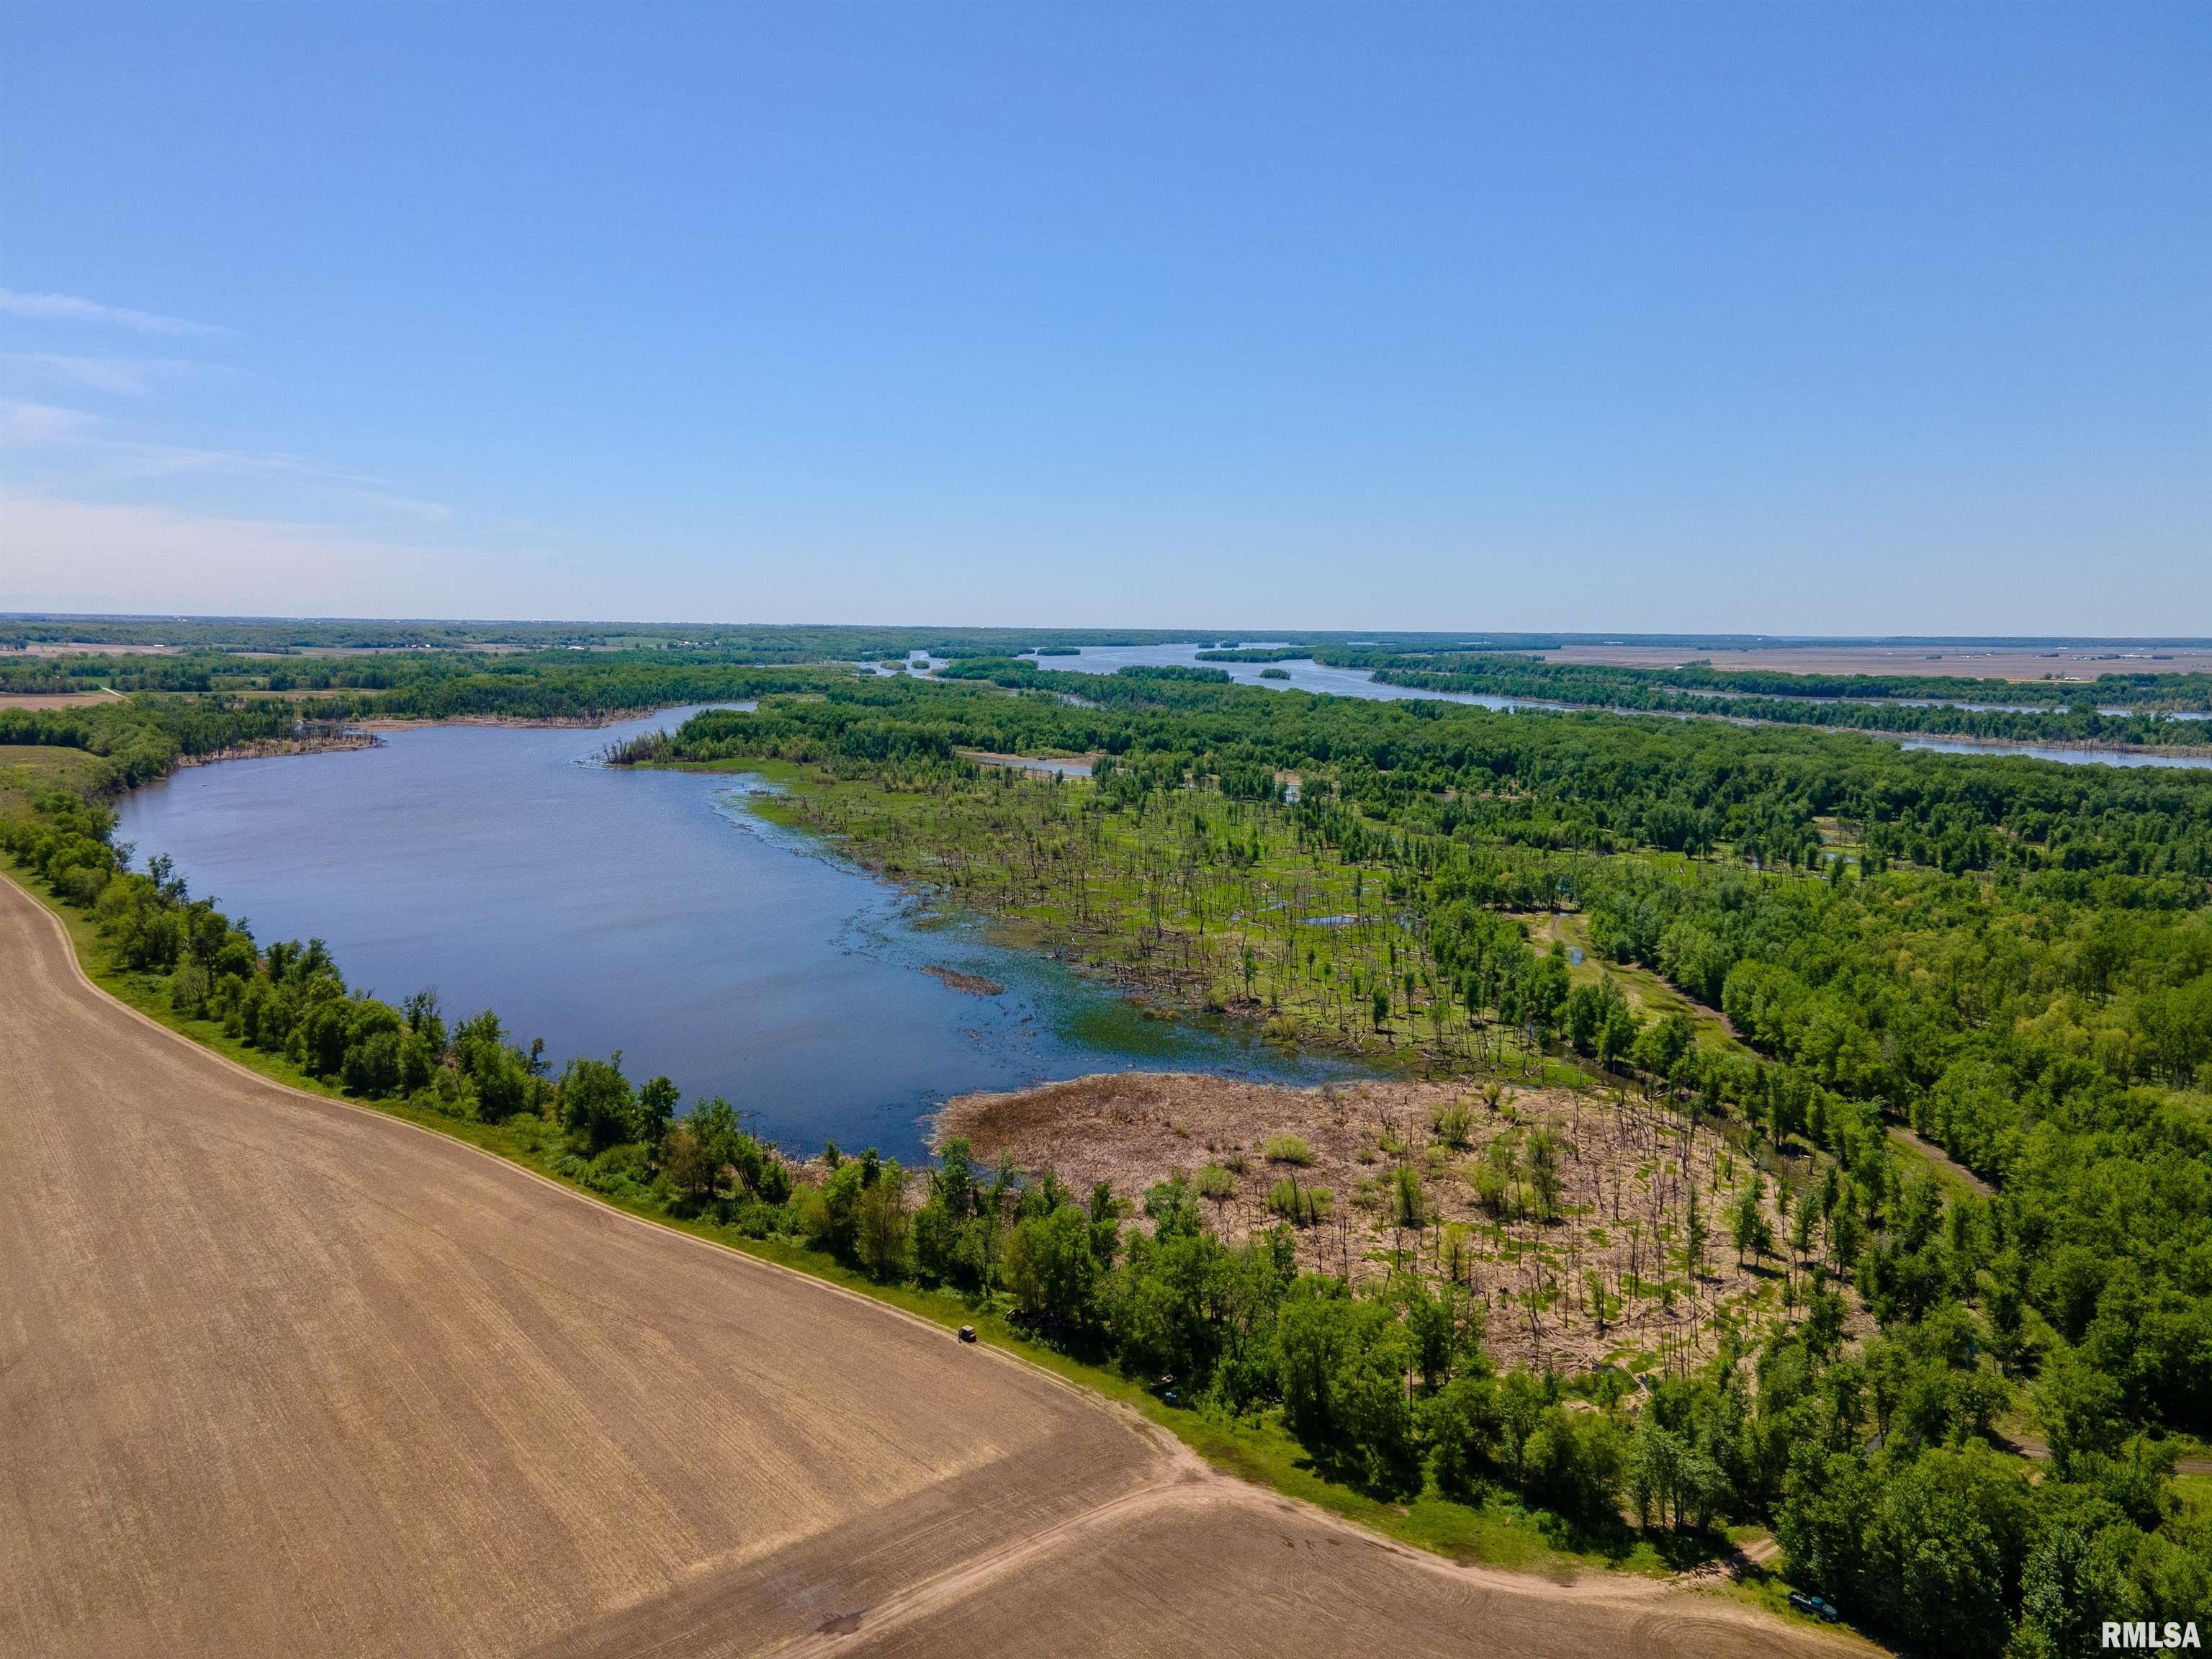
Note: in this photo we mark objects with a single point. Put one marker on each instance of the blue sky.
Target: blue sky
(1838, 318)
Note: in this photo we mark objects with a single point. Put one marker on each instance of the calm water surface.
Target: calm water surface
(653, 912)
(1306, 674)
(2085, 756)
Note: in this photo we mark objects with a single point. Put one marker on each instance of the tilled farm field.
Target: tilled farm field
(280, 1375)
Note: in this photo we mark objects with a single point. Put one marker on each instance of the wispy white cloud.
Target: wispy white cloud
(25, 425)
(83, 525)
(74, 308)
(33, 426)
(125, 377)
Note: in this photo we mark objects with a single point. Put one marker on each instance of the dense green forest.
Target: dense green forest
(2011, 957)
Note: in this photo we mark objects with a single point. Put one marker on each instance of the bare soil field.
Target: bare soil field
(1619, 1215)
(1073, 766)
(56, 699)
(2071, 662)
(283, 1375)
(83, 648)
(487, 648)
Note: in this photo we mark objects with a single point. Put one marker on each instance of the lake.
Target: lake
(653, 912)
(1304, 674)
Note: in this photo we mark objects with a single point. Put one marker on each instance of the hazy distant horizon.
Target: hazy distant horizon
(1298, 632)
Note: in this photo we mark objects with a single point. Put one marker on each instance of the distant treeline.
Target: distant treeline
(1613, 688)
(143, 736)
(774, 643)
(228, 639)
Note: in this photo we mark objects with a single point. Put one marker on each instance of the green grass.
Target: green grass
(25, 769)
(1260, 1450)
(1646, 992)
(2192, 1496)
(1917, 1157)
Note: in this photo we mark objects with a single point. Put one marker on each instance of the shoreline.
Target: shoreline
(540, 722)
(380, 723)
(1158, 991)
(274, 749)
(1940, 742)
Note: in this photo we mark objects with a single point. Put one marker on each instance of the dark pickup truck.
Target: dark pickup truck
(1814, 1605)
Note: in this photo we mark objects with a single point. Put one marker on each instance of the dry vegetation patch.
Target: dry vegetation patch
(56, 699)
(973, 985)
(1568, 1214)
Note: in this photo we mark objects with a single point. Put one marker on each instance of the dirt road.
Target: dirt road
(280, 1375)
(1941, 1159)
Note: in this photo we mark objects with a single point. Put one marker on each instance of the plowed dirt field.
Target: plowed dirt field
(282, 1375)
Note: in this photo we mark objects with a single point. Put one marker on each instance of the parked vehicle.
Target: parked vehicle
(1806, 1602)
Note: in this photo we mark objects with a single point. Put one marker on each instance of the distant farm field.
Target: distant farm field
(2008, 661)
(54, 699)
